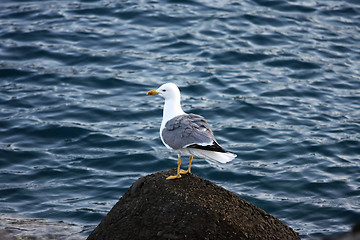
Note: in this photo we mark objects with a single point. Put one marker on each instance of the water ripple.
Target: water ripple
(277, 80)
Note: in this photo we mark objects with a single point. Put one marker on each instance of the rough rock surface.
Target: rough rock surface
(186, 208)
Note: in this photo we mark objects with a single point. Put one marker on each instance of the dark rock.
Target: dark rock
(186, 208)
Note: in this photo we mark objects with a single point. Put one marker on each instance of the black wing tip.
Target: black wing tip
(215, 147)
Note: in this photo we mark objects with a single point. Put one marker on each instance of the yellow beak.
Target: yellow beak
(152, 92)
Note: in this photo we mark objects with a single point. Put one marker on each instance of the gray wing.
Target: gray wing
(190, 130)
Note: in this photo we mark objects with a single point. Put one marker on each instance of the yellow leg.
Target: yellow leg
(178, 171)
(189, 169)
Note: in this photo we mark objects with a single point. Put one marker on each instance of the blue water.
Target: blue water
(278, 81)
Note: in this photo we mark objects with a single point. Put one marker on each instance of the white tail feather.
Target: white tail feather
(213, 156)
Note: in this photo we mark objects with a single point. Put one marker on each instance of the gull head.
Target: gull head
(169, 91)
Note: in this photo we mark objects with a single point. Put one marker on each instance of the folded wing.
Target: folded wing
(190, 131)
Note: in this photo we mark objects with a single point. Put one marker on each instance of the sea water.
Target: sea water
(278, 82)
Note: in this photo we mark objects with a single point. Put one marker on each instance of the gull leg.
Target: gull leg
(178, 171)
(189, 169)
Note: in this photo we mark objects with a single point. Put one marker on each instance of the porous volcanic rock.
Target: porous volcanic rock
(186, 208)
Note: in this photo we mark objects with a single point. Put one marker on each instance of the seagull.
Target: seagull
(187, 134)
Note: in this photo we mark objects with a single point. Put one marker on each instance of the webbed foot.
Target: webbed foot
(177, 172)
(185, 172)
(189, 169)
(173, 177)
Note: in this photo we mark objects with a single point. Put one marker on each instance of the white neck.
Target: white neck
(172, 108)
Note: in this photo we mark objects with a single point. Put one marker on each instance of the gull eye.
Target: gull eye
(164, 90)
